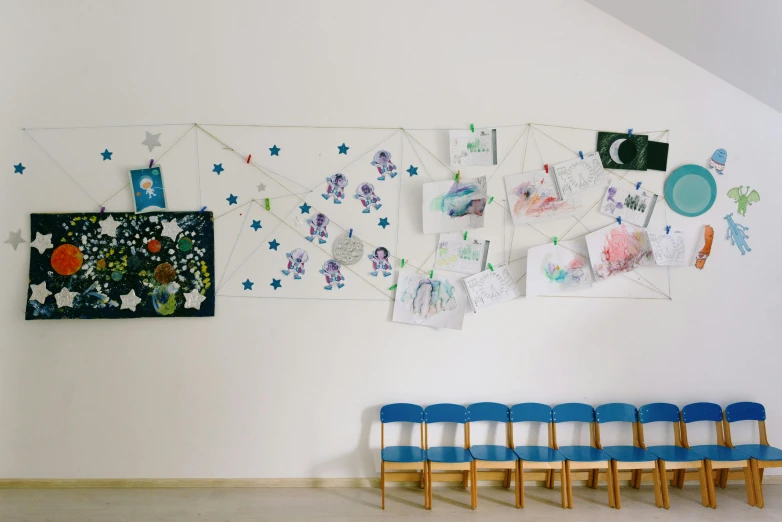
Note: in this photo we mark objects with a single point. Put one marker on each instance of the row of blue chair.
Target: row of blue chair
(710, 462)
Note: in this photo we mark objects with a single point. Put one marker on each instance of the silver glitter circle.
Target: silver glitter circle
(348, 250)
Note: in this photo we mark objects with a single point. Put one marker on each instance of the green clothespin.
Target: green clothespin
(491, 267)
(472, 128)
(458, 175)
(491, 199)
(431, 274)
(268, 204)
(555, 240)
(392, 287)
(465, 235)
(403, 263)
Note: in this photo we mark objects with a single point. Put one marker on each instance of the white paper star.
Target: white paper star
(193, 299)
(171, 229)
(42, 242)
(65, 297)
(40, 293)
(298, 221)
(129, 301)
(152, 140)
(261, 187)
(14, 238)
(109, 227)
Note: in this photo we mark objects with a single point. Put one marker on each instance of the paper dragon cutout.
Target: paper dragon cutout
(744, 198)
(737, 234)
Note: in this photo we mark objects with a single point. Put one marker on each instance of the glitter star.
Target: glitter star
(109, 226)
(171, 229)
(40, 293)
(65, 298)
(129, 301)
(193, 299)
(152, 140)
(14, 238)
(42, 242)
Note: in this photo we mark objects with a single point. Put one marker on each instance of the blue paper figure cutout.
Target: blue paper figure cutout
(148, 191)
(380, 262)
(366, 194)
(382, 161)
(333, 275)
(737, 234)
(318, 224)
(718, 159)
(336, 188)
(296, 260)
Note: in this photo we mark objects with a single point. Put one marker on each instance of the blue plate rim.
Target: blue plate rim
(678, 174)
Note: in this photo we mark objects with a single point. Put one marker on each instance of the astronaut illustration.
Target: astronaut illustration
(317, 225)
(366, 193)
(336, 188)
(333, 275)
(146, 184)
(296, 260)
(382, 161)
(380, 262)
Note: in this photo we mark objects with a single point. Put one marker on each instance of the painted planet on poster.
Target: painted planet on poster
(185, 244)
(154, 246)
(164, 299)
(164, 273)
(67, 259)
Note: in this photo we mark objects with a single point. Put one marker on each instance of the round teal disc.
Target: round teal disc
(690, 190)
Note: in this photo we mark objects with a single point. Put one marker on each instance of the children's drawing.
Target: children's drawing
(380, 262)
(555, 268)
(490, 287)
(633, 206)
(296, 260)
(318, 224)
(618, 150)
(331, 270)
(438, 301)
(533, 196)
(456, 254)
(148, 192)
(718, 160)
(366, 194)
(579, 175)
(348, 249)
(743, 198)
(478, 149)
(616, 249)
(450, 206)
(336, 188)
(705, 249)
(382, 161)
(737, 234)
(668, 247)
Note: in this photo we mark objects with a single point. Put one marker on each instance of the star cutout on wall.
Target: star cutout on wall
(109, 226)
(231, 200)
(275, 151)
(106, 154)
(152, 140)
(218, 168)
(343, 149)
(171, 229)
(261, 187)
(193, 299)
(42, 242)
(383, 223)
(298, 221)
(14, 238)
(276, 284)
(413, 171)
(305, 209)
(248, 285)
(40, 293)
(256, 224)
(19, 169)
(65, 298)
(273, 244)
(129, 301)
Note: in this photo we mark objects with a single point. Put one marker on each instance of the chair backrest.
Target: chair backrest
(742, 411)
(573, 412)
(702, 411)
(658, 412)
(488, 411)
(616, 412)
(445, 413)
(530, 412)
(402, 412)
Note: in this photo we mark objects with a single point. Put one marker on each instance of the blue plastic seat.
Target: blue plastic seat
(629, 454)
(719, 453)
(584, 454)
(493, 453)
(403, 454)
(449, 454)
(539, 454)
(452, 458)
(675, 454)
(494, 412)
(761, 452)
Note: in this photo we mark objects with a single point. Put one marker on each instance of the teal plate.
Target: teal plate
(690, 190)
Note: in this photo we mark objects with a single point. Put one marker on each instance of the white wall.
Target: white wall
(258, 392)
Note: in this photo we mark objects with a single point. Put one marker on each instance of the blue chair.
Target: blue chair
(670, 457)
(493, 456)
(763, 455)
(451, 458)
(716, 456)
(408, 458)
(538, 457)
(588, 458)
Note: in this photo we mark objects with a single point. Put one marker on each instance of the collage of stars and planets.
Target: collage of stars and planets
(121, 265)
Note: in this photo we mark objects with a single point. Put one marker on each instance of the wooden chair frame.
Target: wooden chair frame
(466, 476)
(403, 471)
(550, 468)
(506, 466)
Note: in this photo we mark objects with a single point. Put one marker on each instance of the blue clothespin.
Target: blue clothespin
(638, 185)
(350, 234)
(619, 220)
(581, 154)
(202, 209)
(629, 133)
(667, 229)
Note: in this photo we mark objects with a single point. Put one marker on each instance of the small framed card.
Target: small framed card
(148, 192)
(473, 149)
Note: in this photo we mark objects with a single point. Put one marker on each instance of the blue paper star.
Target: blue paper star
(273, 244)
(383, 223)
(19, 169)
(275, 150)
(231, 200)
(305, 209)
(276, 284)
(343, 149)
(256, 224)
(106, 154)
(248, 285)
(413, 171)
(218, 167)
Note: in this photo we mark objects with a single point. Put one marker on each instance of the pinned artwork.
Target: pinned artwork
(450, 206)
(438, 301)
(668, 247)
(744, 199)
(348, 249)
(380, 262)
(148, 192)
(718, 160)
(657, 156)
(331, 270)
(382, 161)
(490, 287)
(335, 188)
(318, 224)
(473, 149)
(533, 196)
(690, 190)
(705, 249)
(621, 151)
(122, 265)
(579, 175)
(365, 193)
(456, 254)
(737, 234)
(554, 268)
(616, 249)
(296, 260)
(633, 206)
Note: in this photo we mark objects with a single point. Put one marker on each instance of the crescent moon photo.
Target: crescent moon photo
(613, 151)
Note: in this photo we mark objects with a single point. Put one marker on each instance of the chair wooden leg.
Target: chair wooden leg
(563, 484)
(519, 484)
(428, 486)
(658, 497)
(749, 484)
(680, 478)
(382, 484)
(617, 494)
(569, 485)
(756, 482)
(710, 483)
(664, 485)
(465, 479)
(610, 481)
(507, 478)
(635, 479)
(724, 478)
(704, 488)
(474, 489)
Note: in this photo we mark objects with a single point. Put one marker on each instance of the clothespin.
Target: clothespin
(491, 199)
(403, 263)
(555, 240)
(581, 154)
(431, 274)
(465, 235)
(490, 267)
(248, 158)
(350, 234)
(629, 133)
(638, 186)
(472, 128)
(667, 229)
(391, 287)
(202, 209)
(458, 176)
(619, 220)
(151, 162)
(268, 204)
(102, 210)
(546, 167)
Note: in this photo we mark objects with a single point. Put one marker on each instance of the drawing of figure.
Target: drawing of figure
(703, 255)
(145, 183)
(366, 194)
(718, 160)
(333, 275)
(296, 260)
(743, 198)
(382, 161)
(737, 234)
(318, 224)
(336, 188)
(380, 262)
(611, 203)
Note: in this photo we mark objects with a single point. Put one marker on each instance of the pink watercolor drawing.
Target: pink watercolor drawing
(618, 249)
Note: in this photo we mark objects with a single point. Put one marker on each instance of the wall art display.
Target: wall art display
(616, 249)
(554, 268)
(533, 197)
(473, 149)
(633, 206)
(438, 301)
(490, 287)
(450, 206)
(621, 151)
(148, 192)
(579, 175)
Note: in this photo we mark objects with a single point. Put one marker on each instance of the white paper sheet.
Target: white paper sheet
(457, 255)
(489, 287)
(473, 149)
(439, 302)
(533, 197)
(633, 206)
(449, 206)
(616, 249)
(668, 248)
(579, 175)
(554, 268)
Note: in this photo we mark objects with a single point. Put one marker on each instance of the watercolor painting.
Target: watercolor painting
(555, 268)
(618, 150)
(617, 249)
(533, 196)
(579, 175)
(490, 287)
(737, 234)
(148, 192)
(705, 249)
(633, 206)
(668, 247)
(744, 199)
(456, 254)
(450, 206)
(473, 149)
(439, 301)
(121, 265)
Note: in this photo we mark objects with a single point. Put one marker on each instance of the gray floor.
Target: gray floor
(343, 504)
